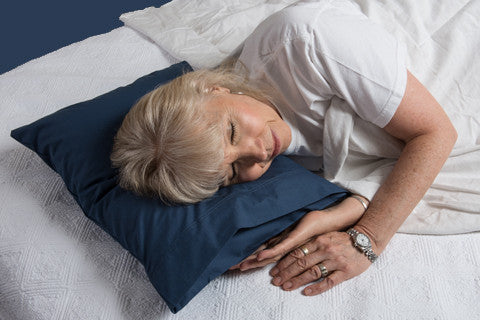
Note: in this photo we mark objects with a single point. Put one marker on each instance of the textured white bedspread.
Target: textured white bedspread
(443, 45)
(57, 264)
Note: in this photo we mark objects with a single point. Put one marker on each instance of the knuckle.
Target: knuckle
(320, 240)
(342, 262)
(350, 270)
(281, 254)
(315, 272)
(330, 282)
(330, 249)
(347, 269)
(297, 253)
(302, 263)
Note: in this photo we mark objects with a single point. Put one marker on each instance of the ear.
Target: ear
(218, 89)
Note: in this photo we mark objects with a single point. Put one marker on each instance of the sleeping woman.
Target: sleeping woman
(297, 73)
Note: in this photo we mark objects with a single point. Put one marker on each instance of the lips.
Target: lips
(276, 145)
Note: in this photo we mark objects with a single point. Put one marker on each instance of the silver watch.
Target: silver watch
(363, 243)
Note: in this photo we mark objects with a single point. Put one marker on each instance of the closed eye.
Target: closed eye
(233, 132)
(232, 141)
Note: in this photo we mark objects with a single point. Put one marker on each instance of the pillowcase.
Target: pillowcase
(181, 247)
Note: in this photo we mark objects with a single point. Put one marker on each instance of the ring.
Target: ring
(304, 250)
(323, 270)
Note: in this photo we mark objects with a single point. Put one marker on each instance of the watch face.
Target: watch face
(362, 240)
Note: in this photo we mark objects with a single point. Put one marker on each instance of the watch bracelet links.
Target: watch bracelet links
(370, 255)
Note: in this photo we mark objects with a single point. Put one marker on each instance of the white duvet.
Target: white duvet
(443, 42)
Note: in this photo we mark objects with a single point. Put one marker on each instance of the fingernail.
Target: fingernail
(277, 280)
(307, 291)
(274, 271)
(287, 285)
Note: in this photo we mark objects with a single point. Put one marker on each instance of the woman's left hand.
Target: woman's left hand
(333, 251)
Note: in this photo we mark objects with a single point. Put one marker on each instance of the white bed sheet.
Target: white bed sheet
(57, 264)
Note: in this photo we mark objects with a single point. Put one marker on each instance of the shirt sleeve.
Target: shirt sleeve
(362, 62)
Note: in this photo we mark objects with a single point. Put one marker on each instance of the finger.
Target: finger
(302, 233)
(304, 230)
(254, 263)
(313, 273)
(235, 267)
(262, 247)
(292, 257)
(298, 267)
(326, 284)
(250, 257)
(281, 249)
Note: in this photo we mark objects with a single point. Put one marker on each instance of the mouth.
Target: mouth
(276, 145)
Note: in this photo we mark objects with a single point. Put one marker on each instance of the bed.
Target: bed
(55, 263)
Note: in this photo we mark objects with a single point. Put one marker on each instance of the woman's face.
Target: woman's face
(254, 134)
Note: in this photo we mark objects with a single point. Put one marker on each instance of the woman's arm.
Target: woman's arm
(429, 137)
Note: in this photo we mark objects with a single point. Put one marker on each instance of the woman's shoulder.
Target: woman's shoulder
(304, 20)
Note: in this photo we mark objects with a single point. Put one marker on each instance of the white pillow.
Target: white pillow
(202, 32)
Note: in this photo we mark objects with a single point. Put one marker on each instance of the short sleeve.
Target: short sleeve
(362, 62)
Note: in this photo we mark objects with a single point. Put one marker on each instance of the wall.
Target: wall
(32, 28)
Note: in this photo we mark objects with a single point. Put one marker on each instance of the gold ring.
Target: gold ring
(304, 250)
(323, 270)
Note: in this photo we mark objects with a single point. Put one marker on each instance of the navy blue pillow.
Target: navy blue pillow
(181, 247)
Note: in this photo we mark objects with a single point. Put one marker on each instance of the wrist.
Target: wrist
(363, 244)
(376, 247)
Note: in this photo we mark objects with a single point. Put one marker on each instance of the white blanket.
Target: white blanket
(443, 41)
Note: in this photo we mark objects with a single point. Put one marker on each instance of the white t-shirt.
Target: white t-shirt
(316, 52)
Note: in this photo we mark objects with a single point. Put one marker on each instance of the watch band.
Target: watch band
(367, 250)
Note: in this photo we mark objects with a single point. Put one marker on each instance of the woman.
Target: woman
(324, 60)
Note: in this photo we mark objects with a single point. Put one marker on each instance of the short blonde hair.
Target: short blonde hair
(168, 146)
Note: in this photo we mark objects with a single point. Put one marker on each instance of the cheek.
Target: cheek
(252, 173)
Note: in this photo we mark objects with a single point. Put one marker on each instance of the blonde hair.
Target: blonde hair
(168, 146)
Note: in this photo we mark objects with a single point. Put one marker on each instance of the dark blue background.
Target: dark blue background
(32, 28)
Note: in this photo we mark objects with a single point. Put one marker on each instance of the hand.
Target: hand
(334, 250)
(279, 246)
(251, 261)
(313, 223)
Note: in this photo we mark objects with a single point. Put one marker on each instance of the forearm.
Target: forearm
(343, 215)
(417, 167)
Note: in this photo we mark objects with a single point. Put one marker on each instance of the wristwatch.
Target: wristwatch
(363, 243)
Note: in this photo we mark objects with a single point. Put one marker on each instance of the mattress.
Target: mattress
(57, 264)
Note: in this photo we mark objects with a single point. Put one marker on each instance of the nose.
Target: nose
(252, 150)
